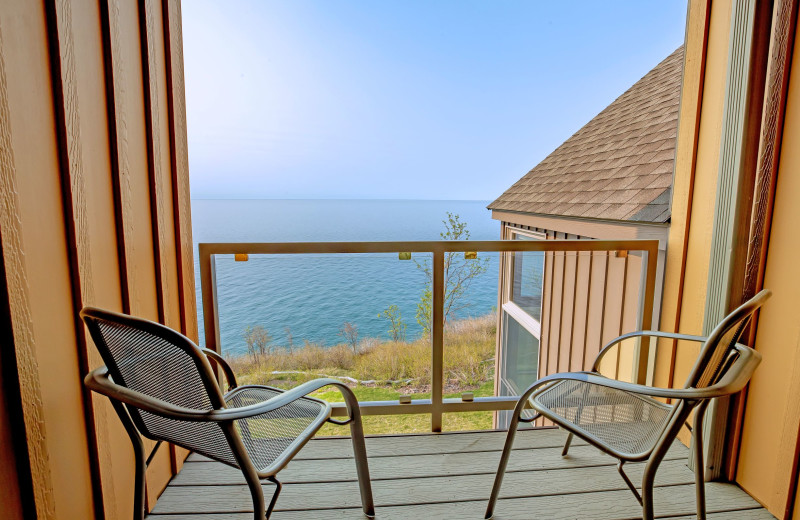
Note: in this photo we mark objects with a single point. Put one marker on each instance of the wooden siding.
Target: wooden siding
(95, 211)
(697, 162)
(769, 440)
(588, 299)
(450, 476)
(768, 457)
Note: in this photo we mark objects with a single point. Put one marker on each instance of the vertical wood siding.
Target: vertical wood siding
(588, 298)
(94, 211)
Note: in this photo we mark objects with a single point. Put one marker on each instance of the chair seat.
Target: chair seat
(628, 423)
(270, 436)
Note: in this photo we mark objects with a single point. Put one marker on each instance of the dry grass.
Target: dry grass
(383, 370)
(468, 357)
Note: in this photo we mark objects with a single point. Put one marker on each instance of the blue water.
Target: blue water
(313, 295)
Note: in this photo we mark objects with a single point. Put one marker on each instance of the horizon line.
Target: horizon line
(342, 199)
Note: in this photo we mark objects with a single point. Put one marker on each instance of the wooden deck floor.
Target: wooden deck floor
(449, 476)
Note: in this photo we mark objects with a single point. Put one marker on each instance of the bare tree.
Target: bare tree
(349, 332)
(257, 340)
(289, 339)
(458, 275)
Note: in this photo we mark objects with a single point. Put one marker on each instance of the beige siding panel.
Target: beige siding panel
(692, 95)
(796, 509)
(18, 322)
(771, 416)
(170, 252)
(10, 499)
(115, 453)
(81, 230)
(138, 229)
(629, 315)
(547, 298)
(597, 301)
(41, 213)
(160, 180)
(704, 195)
(135, 193)
(547, 313)
(555, 318)
(38, 181)
(612, 311)
(567, 310)
(692, 306)
(578, 360)
(180, 168)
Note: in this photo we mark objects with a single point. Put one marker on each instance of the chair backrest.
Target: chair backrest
(158, 362)
(715, 355)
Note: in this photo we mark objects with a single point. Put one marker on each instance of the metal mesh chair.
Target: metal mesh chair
(163, 387)
(626, 420)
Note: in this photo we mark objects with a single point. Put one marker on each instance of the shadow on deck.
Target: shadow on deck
(449, 476)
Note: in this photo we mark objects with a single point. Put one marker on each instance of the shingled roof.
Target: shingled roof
(619, 165)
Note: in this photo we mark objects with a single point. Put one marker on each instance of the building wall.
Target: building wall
(94, 211)
(769, 436)
(694, 187)
(772, 415)
(589, 298)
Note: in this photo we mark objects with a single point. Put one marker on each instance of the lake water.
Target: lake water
(311, 296)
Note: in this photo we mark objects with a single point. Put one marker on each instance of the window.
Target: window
(527, 275)
(521, 356)
(522, 314)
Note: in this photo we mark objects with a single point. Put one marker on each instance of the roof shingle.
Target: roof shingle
(619, 165)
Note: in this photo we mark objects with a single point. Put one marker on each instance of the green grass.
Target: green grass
(408, 423)
(398, 368)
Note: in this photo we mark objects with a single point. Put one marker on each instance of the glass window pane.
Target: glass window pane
(521, 356)
(526, 280)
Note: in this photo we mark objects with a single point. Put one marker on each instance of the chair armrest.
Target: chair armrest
(98, 381)
(285, 398)
(230, 377)
(643, 333)
(735, 378)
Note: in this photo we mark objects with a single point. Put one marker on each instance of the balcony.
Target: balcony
(449, 476)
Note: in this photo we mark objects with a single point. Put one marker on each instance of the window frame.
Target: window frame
(511, 310)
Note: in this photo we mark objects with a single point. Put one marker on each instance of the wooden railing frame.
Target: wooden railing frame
(436, 405)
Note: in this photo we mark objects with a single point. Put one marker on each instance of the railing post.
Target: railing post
(208, 290)
(437, 339)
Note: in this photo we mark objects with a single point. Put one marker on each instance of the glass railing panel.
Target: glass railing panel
(285, 319)
(339, 310)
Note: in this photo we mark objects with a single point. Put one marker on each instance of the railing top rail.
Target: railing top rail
(433, 246)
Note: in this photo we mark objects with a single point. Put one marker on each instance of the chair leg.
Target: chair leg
(647, 492)
(140, 460)
(272, 502)
(362, 467)
(699, 463)
(139, 486)
(359, 450)
(655, 460)
(567, 444)
(256, 492)
(501, 468)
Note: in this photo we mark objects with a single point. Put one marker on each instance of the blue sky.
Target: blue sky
(402, 99)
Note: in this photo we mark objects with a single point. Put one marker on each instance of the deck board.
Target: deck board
(450, 476)
(426, 444)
